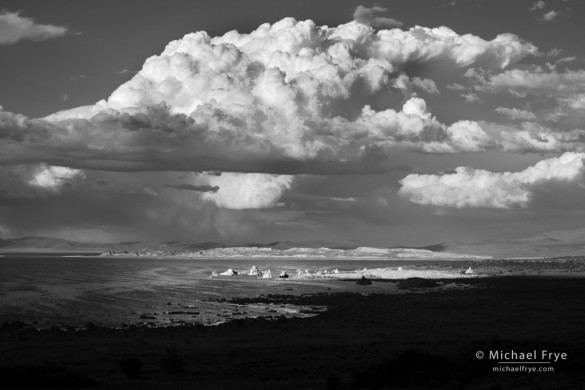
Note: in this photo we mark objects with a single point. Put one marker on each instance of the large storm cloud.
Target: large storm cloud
(291, 97)
(304, 129)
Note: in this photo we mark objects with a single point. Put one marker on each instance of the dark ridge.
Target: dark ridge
(41, 242)
(204, 245)
(433, 248)
(275, 245)
(307, 244)
(58, 243)
(121, 243)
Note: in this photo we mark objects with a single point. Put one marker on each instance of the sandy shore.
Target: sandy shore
(416, 340)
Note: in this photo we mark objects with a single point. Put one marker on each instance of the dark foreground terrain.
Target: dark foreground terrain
(415, 340)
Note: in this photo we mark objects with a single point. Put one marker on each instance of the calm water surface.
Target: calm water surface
(56, 289)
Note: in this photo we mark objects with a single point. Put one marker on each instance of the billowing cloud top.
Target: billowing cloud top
(291, 97)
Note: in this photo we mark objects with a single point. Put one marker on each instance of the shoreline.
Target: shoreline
(179, 311)
(259, 306)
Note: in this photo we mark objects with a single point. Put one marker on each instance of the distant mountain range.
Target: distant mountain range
(275, 245)
(365, 253)
(549, 244)
(50, 243)
(61, 244)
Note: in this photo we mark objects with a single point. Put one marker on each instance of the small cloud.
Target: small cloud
(53, 177)
(563, 60)
(550, 16)
(337, 199)
(64, 96)
(80, 77)
(190, 187)
(150, 192)
(538, 5)
(299, 223)
(553, 53)
(15, 28)
(456, 87)
(367, 16)
(471, 97)
(516, 114)
(126, 71)
(566, 59)
(426, 85)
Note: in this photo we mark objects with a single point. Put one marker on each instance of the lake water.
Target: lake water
(56, 289)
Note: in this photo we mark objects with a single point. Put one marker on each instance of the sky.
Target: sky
(403, 122)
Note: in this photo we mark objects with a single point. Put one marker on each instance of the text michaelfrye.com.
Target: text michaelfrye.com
(522, 361)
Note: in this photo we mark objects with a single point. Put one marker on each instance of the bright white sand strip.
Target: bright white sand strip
(384, 273)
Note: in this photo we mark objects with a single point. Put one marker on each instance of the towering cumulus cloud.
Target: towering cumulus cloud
(299, 131)
(287, 98)
(478, 188)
